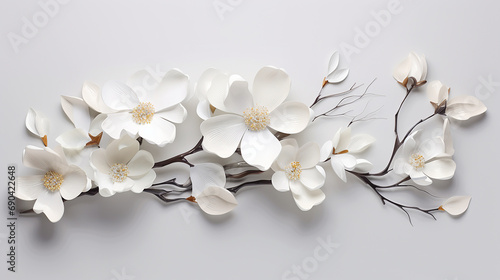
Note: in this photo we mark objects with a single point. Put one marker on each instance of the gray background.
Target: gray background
(135, 237)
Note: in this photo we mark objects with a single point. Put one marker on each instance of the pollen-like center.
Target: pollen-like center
(417, 161)
(293, 171)
(118, 172)
(256, 118)
(143, 113)
(53, 181)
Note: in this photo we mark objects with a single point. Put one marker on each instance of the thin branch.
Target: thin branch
(181, 157)
(235, 189)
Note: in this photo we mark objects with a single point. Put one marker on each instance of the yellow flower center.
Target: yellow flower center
(256, 118)
(293, 171)
(143, 113)
(118, 172)
(417, 161)
(53, 181)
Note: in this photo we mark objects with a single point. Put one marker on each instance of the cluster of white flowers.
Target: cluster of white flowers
(255, 123)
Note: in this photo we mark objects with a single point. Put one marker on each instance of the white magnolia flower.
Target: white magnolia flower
(425, 161)
(414, 66)
(342, 149)
(437, 93)
(146, 110)
(38, 124)
(296, 170)
(335, 75)
(59, 181)
(250, 115)
(122, 167)
(208, 181)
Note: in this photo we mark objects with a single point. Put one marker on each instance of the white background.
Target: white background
(135, 235)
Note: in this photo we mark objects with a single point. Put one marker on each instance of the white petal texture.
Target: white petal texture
(118, 96)
(159, 132)
(57, 179)
(38, 124)
(270, 87)
(74, 139)
(334, 62)
(91, 94)
(216, 201)
(296, 170)
(290, 117)
(122, 167)
(337, 76)
(206, 175)
(305, 198)
(414, 66)
(175, 114)
(464, 107)
(441, 169)
(77, 111)
(447, 138)
(222, 134)
(456, 205)
(260, 148)
(437, 93)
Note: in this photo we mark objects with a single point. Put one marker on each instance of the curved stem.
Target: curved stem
(181, 157)
(235, 189)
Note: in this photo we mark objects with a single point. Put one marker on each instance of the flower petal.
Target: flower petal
(115, 123)
(360, 142)
(441, 169)
(334, 62)
(280, 181)
(431, 148)
(203, 109)
(305, 198)
(464, 107)
(171, 91)
(144, 182)
(74, 139)
(338, 76)
(206, 175)
(204, 82)
(420, 178)
(290, 117)
(349, 161)
(342, 139)
(338, 167)
(288, 154)
(362, 165)
(43, 159)
(313, 178)
(326, 150)
(216, 201)
(260, 148)
(106, 186)
(51, 204)
(402, 70)
(75, 182)
(37, 123)
(122, 150)
(218, 91)
(77, 111)
(238, 98)
(456, 205)
(96, 124)
(447, 138)
(159, 132)
(175, 114)
(118, 96)
(98, 161)
(308, 155)
(91, 94)
(222, 134)
(270, 87)
(140, 164)
(29, 187)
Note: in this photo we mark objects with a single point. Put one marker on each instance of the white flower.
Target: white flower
(38, 124)
(122, 167)
(415, 67)
(296, 170)
(250, 117)
(59, 181)
(146, 110)
(341, 150)
(425, 161)
(208, 181)
(437, 93)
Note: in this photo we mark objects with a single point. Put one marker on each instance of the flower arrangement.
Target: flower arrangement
(250, 128)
